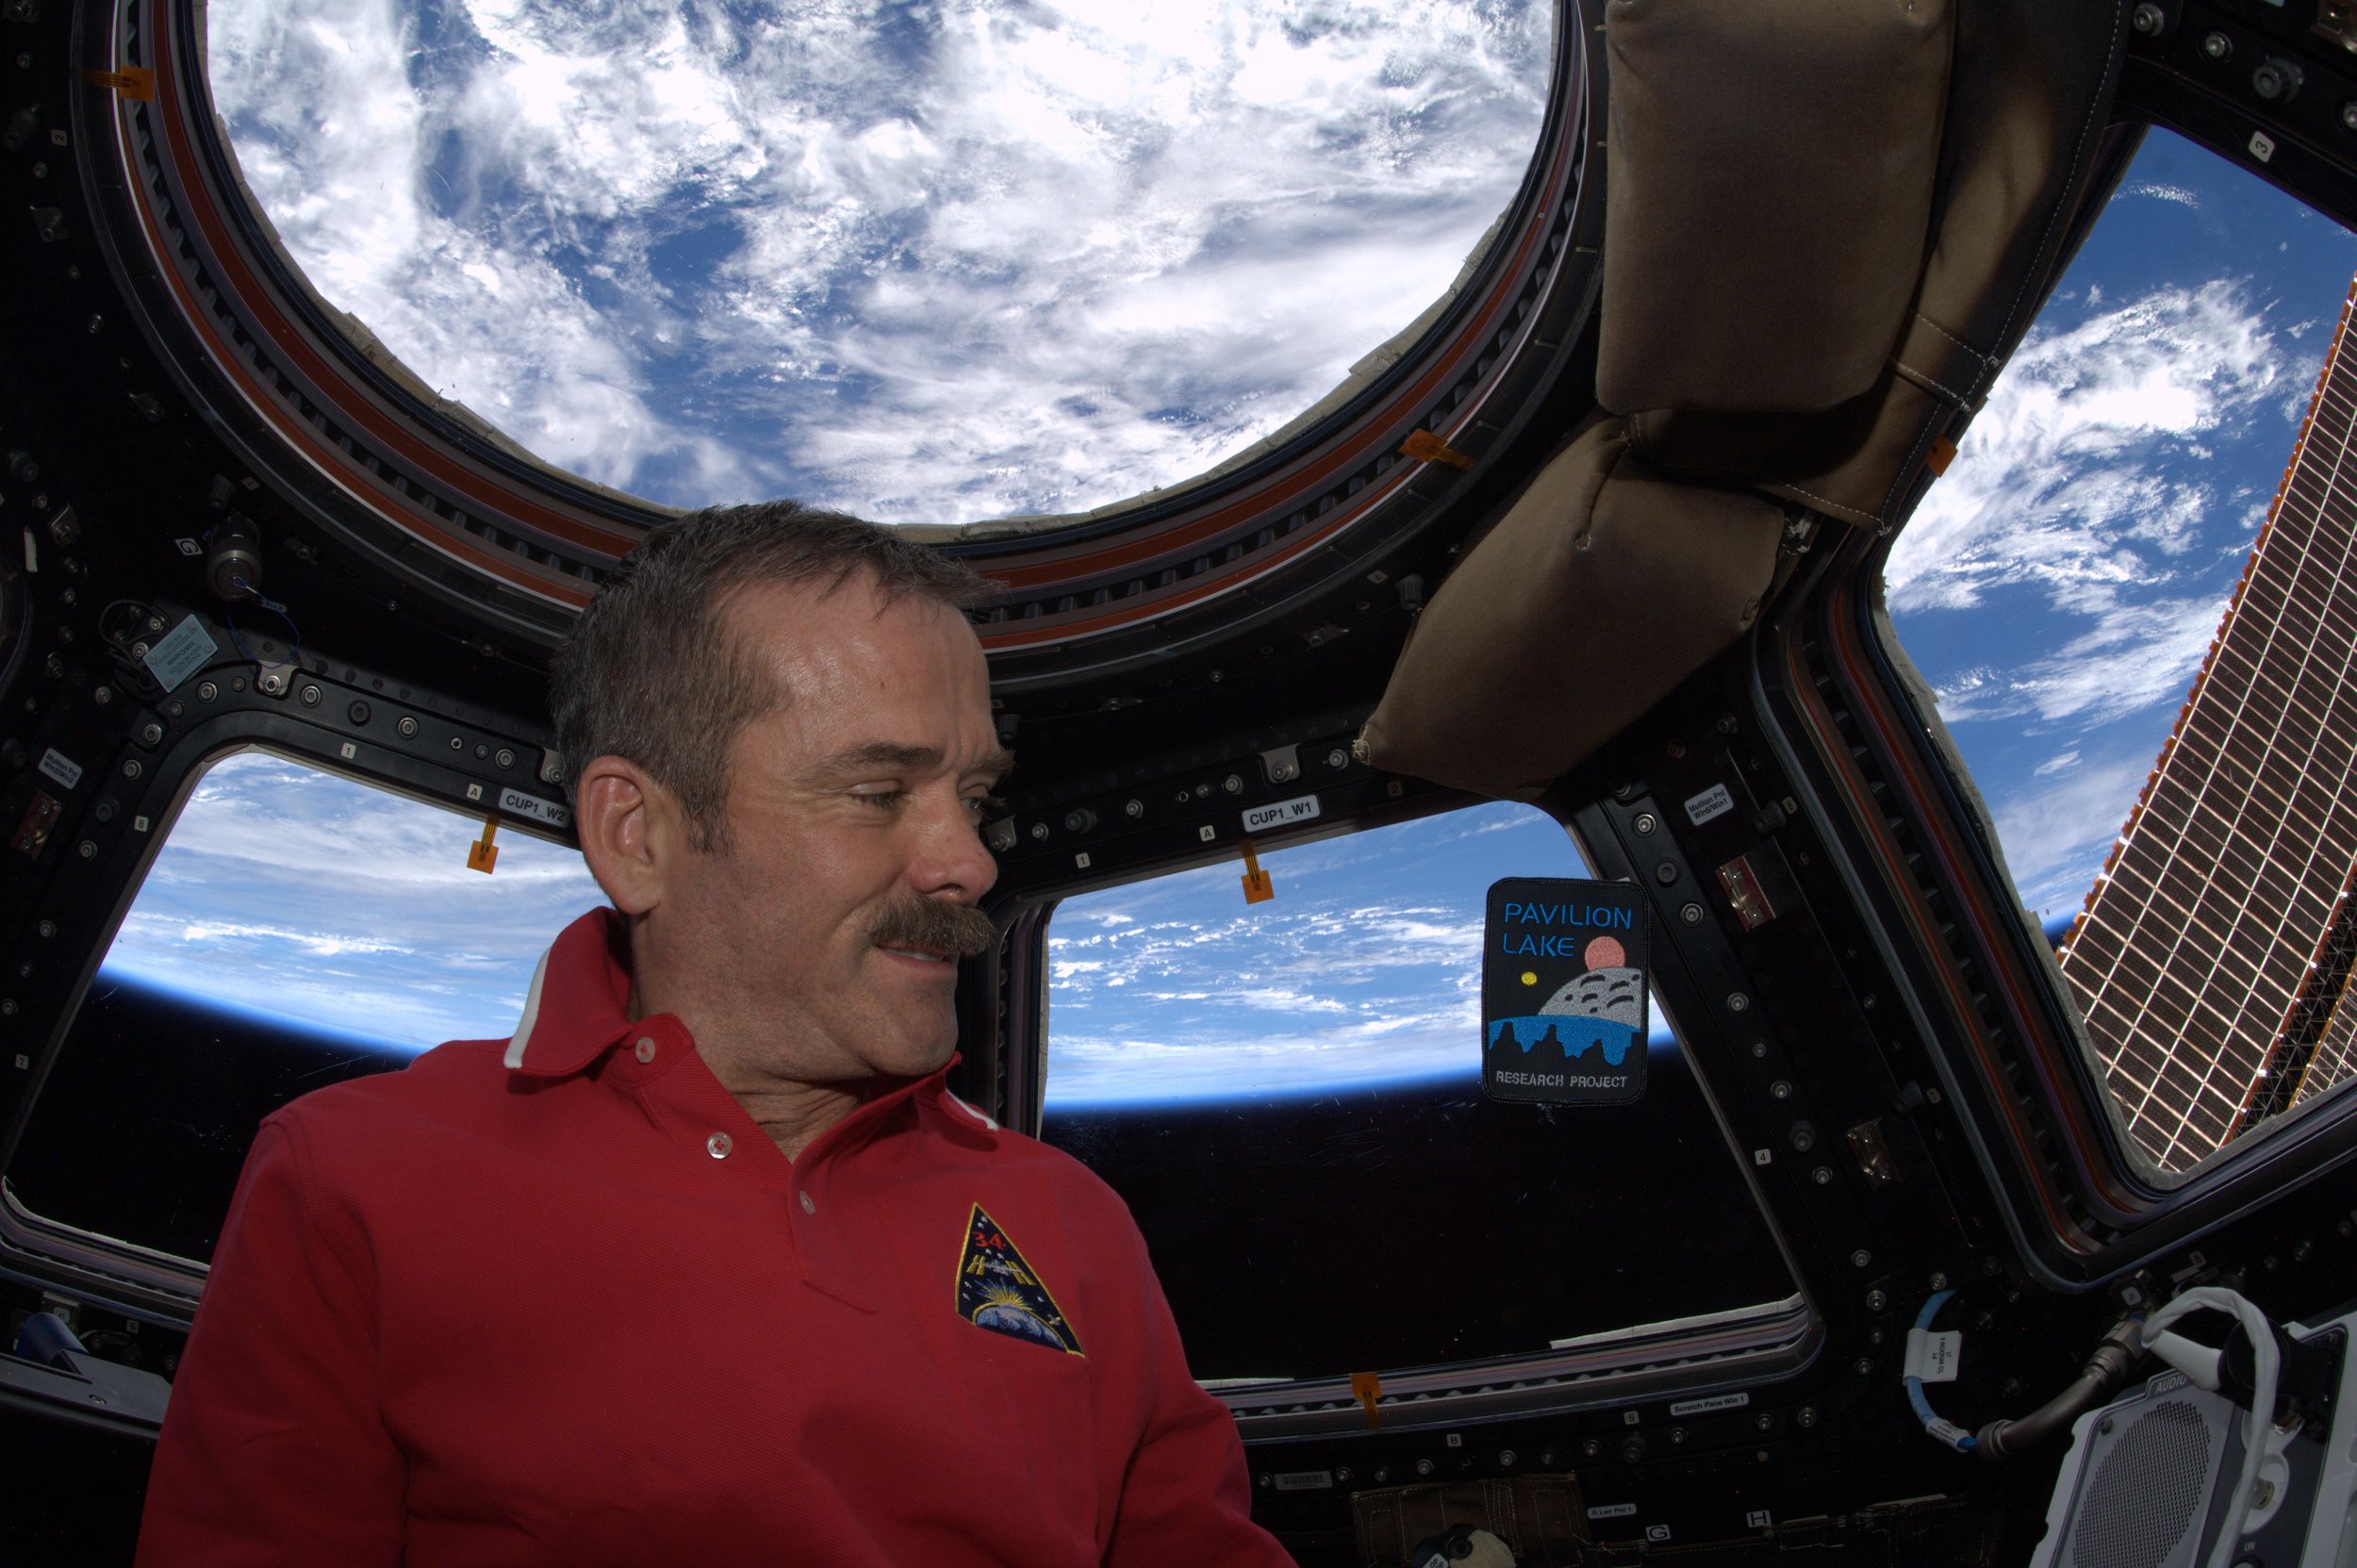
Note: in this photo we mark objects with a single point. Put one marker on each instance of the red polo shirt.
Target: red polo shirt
(560, 1300)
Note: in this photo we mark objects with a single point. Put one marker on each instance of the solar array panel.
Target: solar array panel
(2214, 949)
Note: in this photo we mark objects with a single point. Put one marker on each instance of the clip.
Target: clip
(1425, 447)
(1367, 1387)
(483, 854)
(1257, 887)
(133, 81)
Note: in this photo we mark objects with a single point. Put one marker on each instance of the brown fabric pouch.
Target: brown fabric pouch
(1602, 589)
(1769, 197)
(1540, 1517)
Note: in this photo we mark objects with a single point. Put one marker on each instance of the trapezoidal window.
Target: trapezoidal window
(932, 263)
(296, 927)
(2134, 599)
(1288, 1095)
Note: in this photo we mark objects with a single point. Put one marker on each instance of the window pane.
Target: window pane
(1288, 1097)
(929, 263)
(296, 927)
(2060, 590)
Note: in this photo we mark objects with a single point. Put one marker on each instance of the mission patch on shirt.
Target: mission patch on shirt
(998, 1291)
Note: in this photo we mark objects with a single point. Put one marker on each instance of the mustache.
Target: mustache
(917, 921)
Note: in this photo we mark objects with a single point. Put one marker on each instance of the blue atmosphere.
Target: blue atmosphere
(2061, 583)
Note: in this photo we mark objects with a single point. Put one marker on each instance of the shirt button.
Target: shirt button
(808, 1206)
(719, 1145)
(645, 1047)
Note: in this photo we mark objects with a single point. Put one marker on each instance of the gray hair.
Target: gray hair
(650, 673)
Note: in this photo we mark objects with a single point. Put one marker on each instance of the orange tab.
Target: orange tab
(1256, 886)
(1367, 1387)
(1944, 452)
(132, 81)
(1425, 447)
(483, 854)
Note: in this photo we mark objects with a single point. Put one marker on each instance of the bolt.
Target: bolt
(1644, 823)
(1692, 914)
(102, 695)
(1338, 758)
(206, 691)
(1592, 1448)
(2217, 46)
(2149, 19)
(94, 324)
(1861, 1258)
(1780, 1090)
(2276, 80)
(1726, 723)
(506, 757)
(1424, 1467)
(407, 726)
(1677, 1435)
(151, 733)
(1738, 1002)
(139, 650)
(87, 850)
(1823, 1176)
(310, 696)
(2348, 114)
(1940, 1281)
(1764, 1421)
(49, 928)
(131, 769)
(8, 1008)
(1876, 1301)
(1805, 1417)
(1863, 1365)
(1506, 1457)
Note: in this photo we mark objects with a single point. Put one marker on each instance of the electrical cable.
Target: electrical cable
(1945, 1431)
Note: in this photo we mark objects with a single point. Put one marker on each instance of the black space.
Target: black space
(1402, 1226)
(143, 1125)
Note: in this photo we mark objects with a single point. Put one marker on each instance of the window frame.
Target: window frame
(1767, 1343)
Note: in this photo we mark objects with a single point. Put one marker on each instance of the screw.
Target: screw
(2348, 114)
(102, 695)
(1861, 1257)
(151, 733)
(2149, 19)
(1823, 1176)
(2276, 80)
(1592, 1448)
(2217, 46)
(1424, 1467)
(1863, 1365)
(1780, 1090)
(131, 769)
(1644, 823)
(1692, 914)
(1876, 1301)
(407, 726)
(1339, 758)
(87, 850)
(1805, 1417)
(1764, 1421)
(1738, 1002)
(506, 757)
(310, 695)
(49, 928)
(208, 691)
(1940, 1281)
(1506, 1457)
(8, 1010)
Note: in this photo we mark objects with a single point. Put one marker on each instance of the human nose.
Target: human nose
(950, 856)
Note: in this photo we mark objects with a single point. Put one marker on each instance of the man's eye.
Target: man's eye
(883, 800)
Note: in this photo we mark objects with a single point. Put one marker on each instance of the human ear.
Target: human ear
(628, 827)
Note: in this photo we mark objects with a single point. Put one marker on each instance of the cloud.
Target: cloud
(943, 264)
(2057, 834)
(2086, 483)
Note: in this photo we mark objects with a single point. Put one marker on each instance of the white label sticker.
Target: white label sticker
(1278, 813)
(180, 653)
(1656, 1532)
(1714, 801)
(1760, 1519)
(1716, 1402)
(2262, 146)
(1612, 1511)
(1933, 1357)
(1304, 1481)
(534, 807)
(65, 770)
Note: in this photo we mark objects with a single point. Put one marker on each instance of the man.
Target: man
(704, 1264)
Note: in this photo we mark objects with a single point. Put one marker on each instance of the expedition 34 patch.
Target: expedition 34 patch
(998, 1291)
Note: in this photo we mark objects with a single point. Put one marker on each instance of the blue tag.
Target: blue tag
(1563, 992)
(180, 653)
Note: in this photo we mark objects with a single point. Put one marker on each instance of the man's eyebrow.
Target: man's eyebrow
(897, 756)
